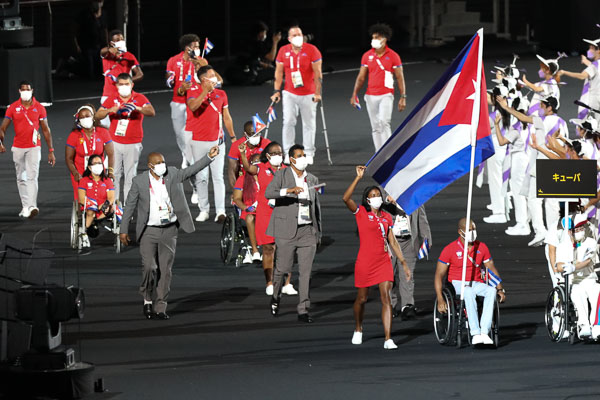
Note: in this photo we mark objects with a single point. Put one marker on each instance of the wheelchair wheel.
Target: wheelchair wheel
(228, 238)
(444, 324)
(74, 225)
(496, 324)
(116, 229)
(556, 321)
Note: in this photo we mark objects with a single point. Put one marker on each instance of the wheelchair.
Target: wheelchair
(234, 243)
(561, 315)
(448, 330)
(110, 223)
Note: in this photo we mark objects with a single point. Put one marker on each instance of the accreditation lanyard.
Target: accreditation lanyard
(220, 116)
(383, 232)
(297, 60)
(34, 136)
(162, 203)
(85, 148)
(181, 78)
(475, 265)
(379, 63)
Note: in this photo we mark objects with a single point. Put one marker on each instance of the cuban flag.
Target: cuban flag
(91, 204)
(493, 279)
(424, 250)
(320, 188)
(258, 123)
(118, 212)
(432, 147)
(356, 103)
(208, 46)
(271, 116)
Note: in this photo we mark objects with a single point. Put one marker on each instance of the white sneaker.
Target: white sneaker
(256, 257)
(518, 230)
(310, 160)
(247, 258)
(357, 338)
(486, 339)
(194, 199)
(33, 212)
(85, 240)
(203, 216)
(596, 332)
(24, 212)
(269, 290)
(389, 344)
(289, 290)
(495, 219)
(477, 339)
(537, 241)
(584, 331)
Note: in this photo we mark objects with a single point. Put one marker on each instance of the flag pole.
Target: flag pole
(474, 125)
(204, 48)
(268, 118)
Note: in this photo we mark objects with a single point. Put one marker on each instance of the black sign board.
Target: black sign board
(566, 178)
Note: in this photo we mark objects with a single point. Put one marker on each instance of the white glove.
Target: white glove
(568, 268)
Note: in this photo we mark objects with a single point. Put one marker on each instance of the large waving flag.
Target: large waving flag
(432, 147)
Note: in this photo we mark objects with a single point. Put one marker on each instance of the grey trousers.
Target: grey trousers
(305, 245)
(199, 150)
(127, 157)
(403, 289)
(157, 248)
(27, 166)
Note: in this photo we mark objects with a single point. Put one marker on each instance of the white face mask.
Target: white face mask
(297, 41)
(214, 79)
(197, 52)
(97, 169)
(254, 140)
(300, 163)
(472, 235)
(160, 169)
(26, 95)
(124, 90)
(275, 160)
(579, 235)
(120, 45)
(86, 123)
(375, 202)
(376, 43)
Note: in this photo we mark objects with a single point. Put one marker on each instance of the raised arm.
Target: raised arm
(518, 115)
(347, 197)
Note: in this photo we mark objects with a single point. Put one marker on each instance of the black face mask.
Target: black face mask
(191, 54)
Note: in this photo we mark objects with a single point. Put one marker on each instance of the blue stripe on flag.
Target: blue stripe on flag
(494, 280)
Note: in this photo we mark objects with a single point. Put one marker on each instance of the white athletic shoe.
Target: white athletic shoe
(495, 219)
(357, 338)
(24, 212)
(389, 344)
(194, 199)
(518, 230)
(85, 240)
(486, 339)
(256, 257)
(203, 216)
(289, 290)
(596, 332)
(584, 330)
(310, 160)
(247, 258)
(477, 339)
(537, 241)
(269, 290)
(33, 212)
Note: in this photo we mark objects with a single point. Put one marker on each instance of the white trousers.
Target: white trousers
(534, 206)
(517, 176)
(552, 208)
(178, 118)
(127, 157)
(380, 109)
(581, 292)
(494, 170)
(27, 167)
(199, 150)
(292, 105)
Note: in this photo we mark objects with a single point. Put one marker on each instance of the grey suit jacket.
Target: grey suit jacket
(419, 227)
(139, 197)
(284, 219)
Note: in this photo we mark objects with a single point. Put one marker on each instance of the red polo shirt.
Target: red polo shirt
(302, 61)
(134, 132)
(25, 121)
(85, 147)
(179, 70)
(389, 61)
(206, 122)
(96, 190)
(111, 68)
(234, 151)
(452, 255)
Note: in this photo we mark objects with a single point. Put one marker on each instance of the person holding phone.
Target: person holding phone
(207, 114)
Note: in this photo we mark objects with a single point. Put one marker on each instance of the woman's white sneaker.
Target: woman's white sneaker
(357, 338)
(389, 345)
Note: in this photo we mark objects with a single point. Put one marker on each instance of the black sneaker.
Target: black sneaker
(274, 306)
(408, 312)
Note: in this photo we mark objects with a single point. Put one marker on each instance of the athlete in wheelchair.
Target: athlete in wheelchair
(572, 252)
(96, 204)
(482, 280)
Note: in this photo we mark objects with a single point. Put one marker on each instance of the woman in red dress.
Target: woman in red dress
(373, 264)
(271, 161)
(86, 139)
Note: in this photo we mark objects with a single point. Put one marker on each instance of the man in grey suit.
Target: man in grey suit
(161, 209)
(411, 231)
(296, 226)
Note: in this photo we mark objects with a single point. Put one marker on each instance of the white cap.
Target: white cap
(593, 42)
(579, 220)
(549, 61)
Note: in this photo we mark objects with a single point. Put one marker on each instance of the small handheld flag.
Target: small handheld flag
(91, 204)
(258, 123)
(356, 103)
(493, 280)
(424, 250)
(320, 188)
(208, 46)
(118, 212)
(271, 115)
